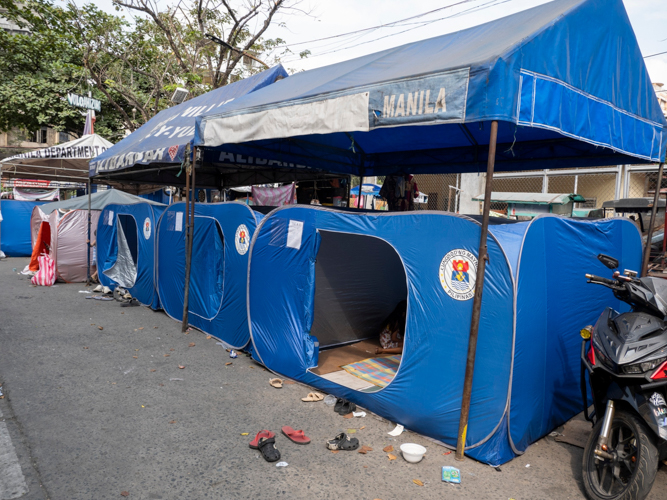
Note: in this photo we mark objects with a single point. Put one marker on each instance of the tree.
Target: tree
(185, 26)
(141, 62)
(39, 65)
(131, 65)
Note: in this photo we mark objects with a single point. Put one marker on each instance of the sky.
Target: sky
(328, 18)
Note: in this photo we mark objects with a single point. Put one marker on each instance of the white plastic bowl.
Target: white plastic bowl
(412, 452)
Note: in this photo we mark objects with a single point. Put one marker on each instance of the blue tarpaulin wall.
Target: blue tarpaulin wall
(554, 76)
(160, 196)
(145, 216)
(15, 238)
(218, 277)
(162, 139)
(526, 379)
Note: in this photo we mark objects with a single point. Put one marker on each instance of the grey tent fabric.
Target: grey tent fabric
(124, 270)
(98, 201)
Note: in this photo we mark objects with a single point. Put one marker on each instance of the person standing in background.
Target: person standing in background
(400, 192)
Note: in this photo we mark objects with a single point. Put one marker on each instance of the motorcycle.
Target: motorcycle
(625, 357)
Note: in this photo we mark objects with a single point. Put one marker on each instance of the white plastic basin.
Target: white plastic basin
(412, 452)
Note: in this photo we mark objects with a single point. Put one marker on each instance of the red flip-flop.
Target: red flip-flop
(297, 437)
(254, 444)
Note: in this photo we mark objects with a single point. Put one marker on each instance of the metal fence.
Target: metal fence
(441, 189)
(596, 185)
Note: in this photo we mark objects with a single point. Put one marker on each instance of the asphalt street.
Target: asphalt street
(96, 406)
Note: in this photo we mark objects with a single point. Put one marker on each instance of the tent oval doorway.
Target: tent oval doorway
(122, 262)
(360, 287)
(129, 225)
(208, 268)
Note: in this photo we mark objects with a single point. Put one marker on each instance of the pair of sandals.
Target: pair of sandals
(344, 407)
(102, 289)
(265, 442)
(313, 397)
(343, 442)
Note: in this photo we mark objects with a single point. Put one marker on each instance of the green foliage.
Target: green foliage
(131, 67)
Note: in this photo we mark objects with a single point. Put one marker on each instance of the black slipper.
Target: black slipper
(130, 303)
(339, 403)
(342, 442)
(268, 449)
(346, 408)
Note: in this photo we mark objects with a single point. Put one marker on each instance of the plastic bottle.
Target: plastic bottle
(330, 400)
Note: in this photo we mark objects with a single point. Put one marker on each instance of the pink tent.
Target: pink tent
(66, 239)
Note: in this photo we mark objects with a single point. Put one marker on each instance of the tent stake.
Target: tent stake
(477, 300)
(188, 248)
(656, 198)
(89, 241)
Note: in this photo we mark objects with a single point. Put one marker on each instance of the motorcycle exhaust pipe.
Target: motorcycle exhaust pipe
(603, 440)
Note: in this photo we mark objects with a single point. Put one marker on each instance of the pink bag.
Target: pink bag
(46, 276)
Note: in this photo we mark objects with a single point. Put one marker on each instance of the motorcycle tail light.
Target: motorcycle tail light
(661, 372)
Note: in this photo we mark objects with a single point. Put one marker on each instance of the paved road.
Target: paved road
(92, 413)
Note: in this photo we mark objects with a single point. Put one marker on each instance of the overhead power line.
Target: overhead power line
(477, 8)
(379, 26)
(658, 54)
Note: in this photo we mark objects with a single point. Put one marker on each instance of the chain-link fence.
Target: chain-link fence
(441, 191)
(642, 184)
(595, 185)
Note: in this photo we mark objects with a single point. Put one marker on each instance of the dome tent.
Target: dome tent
(302, 300)
(218, 276)
(67, 231)
(126, 236)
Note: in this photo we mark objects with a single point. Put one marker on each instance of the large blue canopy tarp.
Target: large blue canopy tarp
(15, 237)
(565, 79)
(141, 239)
(163, 138)
(314, 283)
(218, 277)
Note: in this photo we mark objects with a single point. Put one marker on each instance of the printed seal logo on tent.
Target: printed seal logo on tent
(242, 239)
(173, 151)
(147, 228)
(458, 272)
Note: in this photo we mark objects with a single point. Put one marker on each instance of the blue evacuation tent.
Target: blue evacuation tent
(218, 276)
(567, 86)
(320, 279)
(126, 236)
(162, 139)
(15, 238)
(565, 80)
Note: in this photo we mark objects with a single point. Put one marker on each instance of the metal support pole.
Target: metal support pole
(361, 183)
(186, 290)
(89, 240)
(651, 224)
(619, 178)
(477, 300)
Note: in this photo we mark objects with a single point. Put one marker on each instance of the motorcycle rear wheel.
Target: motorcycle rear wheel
(631, 474)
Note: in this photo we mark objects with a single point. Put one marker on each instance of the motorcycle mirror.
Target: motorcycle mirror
(608, 261)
